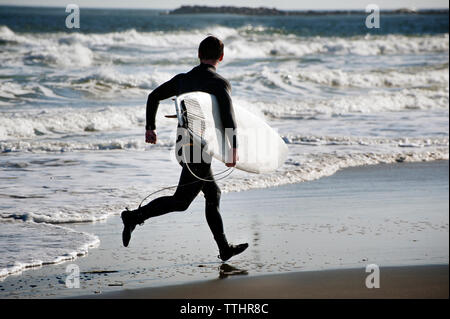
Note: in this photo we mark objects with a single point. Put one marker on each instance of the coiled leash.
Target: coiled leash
(229, 170)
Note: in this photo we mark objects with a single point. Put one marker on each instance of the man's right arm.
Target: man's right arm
(162, 92)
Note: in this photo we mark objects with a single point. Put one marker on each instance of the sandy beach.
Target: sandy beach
(307, 240)
(417, 282)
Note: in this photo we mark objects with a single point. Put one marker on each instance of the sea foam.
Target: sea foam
(27, 245)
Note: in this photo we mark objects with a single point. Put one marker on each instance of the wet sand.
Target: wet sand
(395, 282)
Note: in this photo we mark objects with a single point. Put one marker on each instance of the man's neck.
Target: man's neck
(213, 63)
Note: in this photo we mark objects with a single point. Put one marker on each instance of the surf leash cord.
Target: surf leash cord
(229, 170)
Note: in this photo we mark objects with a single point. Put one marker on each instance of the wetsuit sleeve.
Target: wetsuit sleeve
(162, 92)
(227, 112)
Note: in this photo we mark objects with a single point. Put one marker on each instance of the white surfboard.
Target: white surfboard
(260, 148)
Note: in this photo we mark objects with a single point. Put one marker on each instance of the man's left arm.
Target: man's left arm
(228, 120)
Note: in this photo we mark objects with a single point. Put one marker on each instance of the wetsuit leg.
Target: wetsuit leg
(212, 208)
(188, 188)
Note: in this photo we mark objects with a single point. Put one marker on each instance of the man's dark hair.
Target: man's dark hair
(210, 48)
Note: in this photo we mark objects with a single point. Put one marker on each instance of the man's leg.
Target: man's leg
(188, 188)
(212, 211)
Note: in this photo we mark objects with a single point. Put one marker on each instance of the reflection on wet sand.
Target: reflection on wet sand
(226, 270)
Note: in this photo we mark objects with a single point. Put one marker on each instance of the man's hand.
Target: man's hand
(150, 136)
(234, 158)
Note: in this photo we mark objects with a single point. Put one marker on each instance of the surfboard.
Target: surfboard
(260, 148)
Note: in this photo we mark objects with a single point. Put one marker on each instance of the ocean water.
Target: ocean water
(72, 107)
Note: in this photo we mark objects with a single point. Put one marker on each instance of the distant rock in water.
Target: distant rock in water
(228, 9)
(264, 11)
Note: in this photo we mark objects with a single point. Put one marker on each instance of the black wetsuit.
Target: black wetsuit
(201, 78)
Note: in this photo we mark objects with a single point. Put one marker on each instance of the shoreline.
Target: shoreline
(304, 237)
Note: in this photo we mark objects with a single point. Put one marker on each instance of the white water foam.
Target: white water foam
(374, 79)
(27, 245)
(60, 121)
(68, 50)
(87, 63)
(63, 121)
(375, 101)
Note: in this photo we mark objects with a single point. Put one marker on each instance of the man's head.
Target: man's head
(210, 50)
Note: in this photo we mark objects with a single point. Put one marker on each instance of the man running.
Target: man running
(201, 78)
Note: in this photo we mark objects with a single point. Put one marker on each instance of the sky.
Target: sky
(279, 4)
